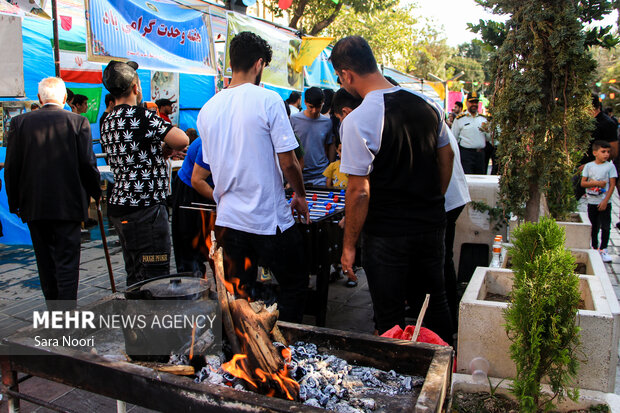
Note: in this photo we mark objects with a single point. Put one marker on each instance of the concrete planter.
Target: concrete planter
(578, 230)
(482, 332)
(587, 398)
(473, 227)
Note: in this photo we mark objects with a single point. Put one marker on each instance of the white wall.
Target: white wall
(11, 57)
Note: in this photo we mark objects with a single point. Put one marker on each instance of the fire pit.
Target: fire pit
(165, 392)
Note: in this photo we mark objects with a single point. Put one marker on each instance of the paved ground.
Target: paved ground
(348, 308)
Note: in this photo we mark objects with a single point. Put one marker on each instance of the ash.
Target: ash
(327, 381)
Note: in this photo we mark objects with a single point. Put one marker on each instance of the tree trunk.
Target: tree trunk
(299, 11)
(324, 23)
(532, 206)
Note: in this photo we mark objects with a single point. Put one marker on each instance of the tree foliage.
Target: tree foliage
(313, 16)
(540, 320)
(541, 100)
(474, 72)
(398, 37)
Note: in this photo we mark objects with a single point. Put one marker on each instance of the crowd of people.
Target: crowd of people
(401, 159)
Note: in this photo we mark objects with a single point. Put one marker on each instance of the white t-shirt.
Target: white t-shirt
(294, 109)
(598, 172)
(242, 130)
(457, 193)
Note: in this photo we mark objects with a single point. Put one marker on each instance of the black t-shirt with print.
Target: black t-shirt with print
(132, 138)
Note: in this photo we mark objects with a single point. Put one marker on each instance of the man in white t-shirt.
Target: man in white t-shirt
(249, 143)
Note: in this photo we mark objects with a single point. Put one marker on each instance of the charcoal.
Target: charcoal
(178, 360)
(329, 390)
(202, 375)
(368, 404)
(322, 398)
(313, 403)
(345, 408)
(214, 361)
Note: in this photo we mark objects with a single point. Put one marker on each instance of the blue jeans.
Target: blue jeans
(399, 269)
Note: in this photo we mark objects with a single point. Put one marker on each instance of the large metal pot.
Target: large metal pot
(179, 295)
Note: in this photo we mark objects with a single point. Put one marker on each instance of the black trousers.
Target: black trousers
(57, 249)
(282, 253)
(399, 270)
(601, 221)
(448, 269)
(472, 161)
(188, 229)
(145, 240)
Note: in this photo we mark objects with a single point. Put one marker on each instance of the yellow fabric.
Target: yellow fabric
(439, 88)
(310, 48)
(339, 179)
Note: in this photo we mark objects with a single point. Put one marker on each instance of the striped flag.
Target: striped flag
(74, 65)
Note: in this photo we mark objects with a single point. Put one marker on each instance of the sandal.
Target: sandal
(350, 284)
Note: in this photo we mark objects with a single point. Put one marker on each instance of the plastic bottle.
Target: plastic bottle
(479, 367)
(495, 261)
(498, 241)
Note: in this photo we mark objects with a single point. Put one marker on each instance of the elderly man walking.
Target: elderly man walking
(50, 175)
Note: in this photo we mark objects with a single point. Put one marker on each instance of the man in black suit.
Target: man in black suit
(50, 174)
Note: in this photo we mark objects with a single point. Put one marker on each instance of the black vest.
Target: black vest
(405, 192)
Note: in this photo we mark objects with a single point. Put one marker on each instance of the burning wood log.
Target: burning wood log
(248, 327)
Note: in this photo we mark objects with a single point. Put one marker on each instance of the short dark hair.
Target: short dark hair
(79, 99)
(343, 99)
(163, 102)
(596, 102)
(293, 97)
(459, 104)
(314, 96)
(597, 144)
(192, 134)
(70, 96)
(109, 99)
(609, 110)
(354, 53)
(245, 50)
(328, 95)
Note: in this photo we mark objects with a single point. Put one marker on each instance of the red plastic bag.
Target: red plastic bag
(426, 335)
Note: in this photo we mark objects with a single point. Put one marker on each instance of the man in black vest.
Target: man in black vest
(51, 173)
(396, 150)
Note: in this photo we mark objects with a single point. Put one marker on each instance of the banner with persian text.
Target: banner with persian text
(285, 45)
(159, 35)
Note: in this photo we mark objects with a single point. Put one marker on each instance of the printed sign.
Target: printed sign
(158, 35)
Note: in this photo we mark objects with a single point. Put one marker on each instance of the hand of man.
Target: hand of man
(603, 205)
(299, 207)
(601, 184)
(347, 260)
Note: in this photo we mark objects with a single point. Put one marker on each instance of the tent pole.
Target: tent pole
(55, 29)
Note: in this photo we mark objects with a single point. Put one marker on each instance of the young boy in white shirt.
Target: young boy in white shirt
(599, 180)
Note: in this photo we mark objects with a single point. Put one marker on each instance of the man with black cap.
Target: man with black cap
(471, 132)
(134, 139)
(164, 107)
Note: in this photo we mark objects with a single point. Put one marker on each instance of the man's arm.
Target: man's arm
(176, 139)
(355, 211)
(613, 153)
(591, 184)
(330, 152)
(292, 173)
(89, 173)
(199, 181)
(445, 159)
(603, 205)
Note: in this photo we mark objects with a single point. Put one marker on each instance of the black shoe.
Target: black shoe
(351, 284)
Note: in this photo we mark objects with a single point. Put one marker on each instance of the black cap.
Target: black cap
(117, 76)
(164, 102)
(473, 96)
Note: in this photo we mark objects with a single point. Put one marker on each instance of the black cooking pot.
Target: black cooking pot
(178, 295)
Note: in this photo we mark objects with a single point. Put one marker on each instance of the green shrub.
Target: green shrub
(541, 319)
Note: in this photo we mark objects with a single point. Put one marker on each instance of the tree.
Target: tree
(474, 73)
(398, 37)
(313, 16)
(541, 99)
(478, 51)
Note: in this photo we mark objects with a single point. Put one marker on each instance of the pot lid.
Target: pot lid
(176, 287)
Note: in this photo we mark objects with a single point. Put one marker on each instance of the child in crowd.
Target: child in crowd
(599, 180)
(335, 178)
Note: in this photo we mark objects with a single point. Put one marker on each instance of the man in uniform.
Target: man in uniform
(471, 132)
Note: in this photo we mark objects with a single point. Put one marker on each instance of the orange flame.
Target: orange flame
(248, 263)
(237, 367)
(191, 349)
